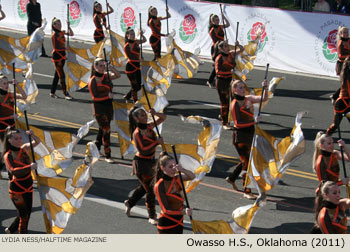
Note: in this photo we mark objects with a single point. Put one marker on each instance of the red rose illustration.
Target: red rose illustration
(22, 5)
(254, 31)
(129, 16)
(332, 41)
(74, 10)
(189, 24)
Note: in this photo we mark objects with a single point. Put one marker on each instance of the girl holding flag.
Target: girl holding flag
(155, 25)
(342, 104)
(100, 20)
(132, 69)
(330, 210)
(19, 167)
(59, 56)
(144, 161)
(7, 103)
(100, 87)
(170, 195)
(243, 133)
(224, 66)
(325, 160)
(217, 34)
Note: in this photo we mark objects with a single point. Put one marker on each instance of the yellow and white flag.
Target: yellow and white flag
(158, 73)
(22, 52)
(245, 60)
(79, 62)
(54, 154)
(31, 89)
(121, 120)
(114, 45)
(270, 158)
(62, 197)
(242, 218)
(12, 51)
(186, 63)
(199, 158)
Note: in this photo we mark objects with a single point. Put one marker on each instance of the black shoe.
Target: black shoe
(44, 55)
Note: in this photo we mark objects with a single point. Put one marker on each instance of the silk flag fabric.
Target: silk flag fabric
(242, 218)
(121, 120)
(270, 158)
(199, 157)
(54, 154)
(79, 62)
(31, 89)
(186, 63)
(62, 197)
(22, 52)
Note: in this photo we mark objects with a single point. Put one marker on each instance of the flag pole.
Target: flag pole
(263, 90)
(182, 182)
(234, 55)
(68, 25)
(104, 53)
(108, 23)
(167, 20)
(223, 22)
(342, 158)
(154, 120)
(141, 37)
(30, 142)
(14, 86)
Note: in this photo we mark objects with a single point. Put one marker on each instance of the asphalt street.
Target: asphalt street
(289, 209)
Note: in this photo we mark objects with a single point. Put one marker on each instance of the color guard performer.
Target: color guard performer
(100, 20)
(217, 34)
(100, 87)
(244, 128)
(169, 193)
(19, 167)
(144, 161)
(155, 25)
(59, 57)
(132, 69)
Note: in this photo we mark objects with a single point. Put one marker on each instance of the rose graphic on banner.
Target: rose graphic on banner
(329, 47)
(253, 32)
(22, 12)
(74, 14)
(188, 29)
(128, 19)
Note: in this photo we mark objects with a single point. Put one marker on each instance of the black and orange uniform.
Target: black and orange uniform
(99, 21)
(20, 187)
(223, 67)
(243, 133)
(332, 219)
(7, 103)
(216, 33)
(132, 69)
(154, 39)
(343, 50)
(59, 59)
(170, 197)
(327, 167)
(342, 104)
(144, 166)
(103, 110)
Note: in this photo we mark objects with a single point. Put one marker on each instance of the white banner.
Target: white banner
(292, 40)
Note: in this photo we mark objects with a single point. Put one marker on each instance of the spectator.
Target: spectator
(34, 20)
(2, 13)
(322, 6)
(339, 6)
